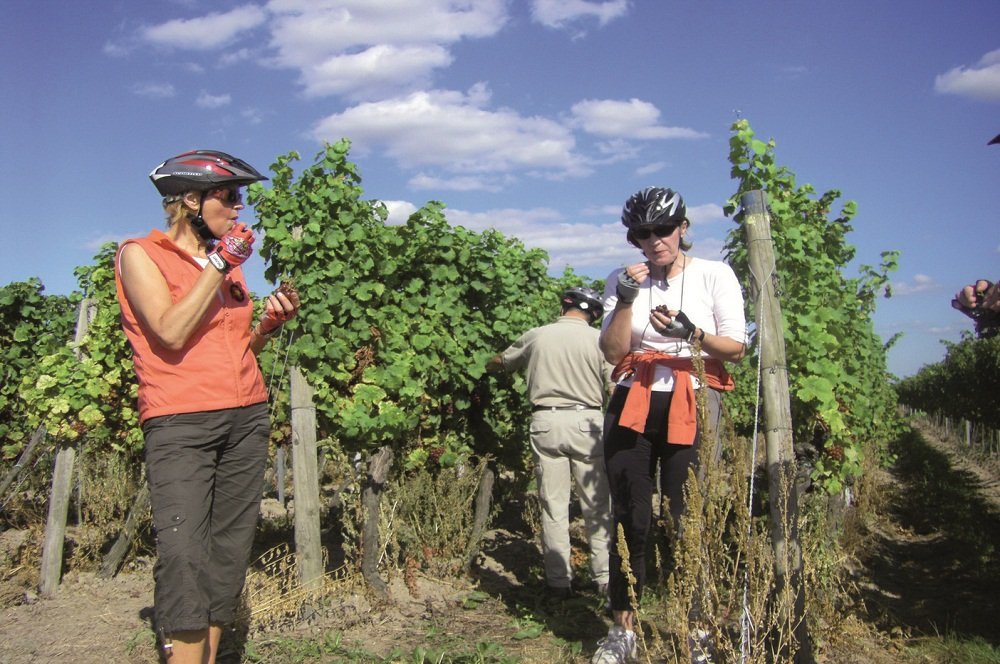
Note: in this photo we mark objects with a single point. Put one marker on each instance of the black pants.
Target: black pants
(206, 479)
(631, 460)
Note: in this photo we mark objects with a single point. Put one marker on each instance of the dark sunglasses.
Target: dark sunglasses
(230, 196)
(658, 231)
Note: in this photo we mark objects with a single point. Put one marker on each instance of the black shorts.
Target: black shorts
(206, 475)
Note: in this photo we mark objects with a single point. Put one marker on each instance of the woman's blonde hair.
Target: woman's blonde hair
(175, 209)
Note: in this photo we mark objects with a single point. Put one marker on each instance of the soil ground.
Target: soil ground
(929, 567)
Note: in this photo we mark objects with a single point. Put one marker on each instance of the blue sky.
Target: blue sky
(536, 117)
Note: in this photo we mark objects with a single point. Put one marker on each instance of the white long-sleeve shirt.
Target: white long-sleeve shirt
(708, 292)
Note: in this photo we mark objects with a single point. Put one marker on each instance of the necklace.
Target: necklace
(666, 285)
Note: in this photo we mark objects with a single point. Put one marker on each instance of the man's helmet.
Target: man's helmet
(202, 170)
(585, 299)
(653, 206)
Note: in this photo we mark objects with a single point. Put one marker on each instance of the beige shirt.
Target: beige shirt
(563, 364)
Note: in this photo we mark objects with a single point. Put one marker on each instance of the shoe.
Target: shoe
(700, 645)
(617, 648)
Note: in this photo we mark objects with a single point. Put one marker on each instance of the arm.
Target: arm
(170, 323)
(281, 306)
(980, 295)
(676, 324)
(495, 364)
(616, 337)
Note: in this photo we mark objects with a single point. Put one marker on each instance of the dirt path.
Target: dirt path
(931, 567)
(89, 620)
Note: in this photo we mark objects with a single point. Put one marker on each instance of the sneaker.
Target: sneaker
(617, 648)
(700, 644)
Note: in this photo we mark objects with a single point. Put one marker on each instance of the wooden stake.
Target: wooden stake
(781, 465)
(305, 480)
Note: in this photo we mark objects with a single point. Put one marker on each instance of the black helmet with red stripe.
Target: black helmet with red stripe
(586, 299)
(202, 170)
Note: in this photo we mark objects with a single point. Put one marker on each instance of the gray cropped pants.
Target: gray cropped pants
(206, 474)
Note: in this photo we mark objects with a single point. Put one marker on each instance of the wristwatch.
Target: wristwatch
(218, 262)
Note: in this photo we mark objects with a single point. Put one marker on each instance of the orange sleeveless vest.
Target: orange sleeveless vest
(216, 369)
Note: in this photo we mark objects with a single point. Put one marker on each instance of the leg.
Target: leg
(238, 490)
(627, 457)
(553, 477)
(630, 462)
(587, 459)
(188, 647)
(180, 467)
(214, 637)
(677, 459)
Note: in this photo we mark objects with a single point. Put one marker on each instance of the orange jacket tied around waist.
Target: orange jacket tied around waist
(682, 417)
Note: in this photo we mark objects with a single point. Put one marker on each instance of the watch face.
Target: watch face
(218, 262)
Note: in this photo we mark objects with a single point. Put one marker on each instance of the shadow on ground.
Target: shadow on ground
(938, 572)
(510, 569)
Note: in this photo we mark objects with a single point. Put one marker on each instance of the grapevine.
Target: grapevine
(842, 402)
(397, 322)
(32, 325)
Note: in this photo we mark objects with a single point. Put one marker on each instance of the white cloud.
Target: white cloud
(590, 248)
(97, 241)
(206, 100)
(399, 212)
(252, 116)
(459, 183)
(649, 169)
(560, 13)
(705, 214)
(614, 151)
(336, 44)
(154, 90)
(457, 133)
(632, 119)
(236, 57)
(981, 81)
(579, 245)
(205, 33)
(116, 49)
(374, 72)
(610, 211)
(921, 283)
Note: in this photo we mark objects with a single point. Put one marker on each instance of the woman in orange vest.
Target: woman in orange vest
(657, 314)
(203, 409)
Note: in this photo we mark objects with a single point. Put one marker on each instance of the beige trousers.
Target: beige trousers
(567, 446)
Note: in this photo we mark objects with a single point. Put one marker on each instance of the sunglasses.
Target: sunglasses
(230, 196)
(658, 231)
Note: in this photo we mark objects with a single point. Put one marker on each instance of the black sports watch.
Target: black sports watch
(218, 262)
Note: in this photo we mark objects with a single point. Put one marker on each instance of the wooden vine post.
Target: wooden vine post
(112, 561)
(305, 481)
(22, 462)
(371, 496)
(781, 465)
(484, 499)
(62, 484)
